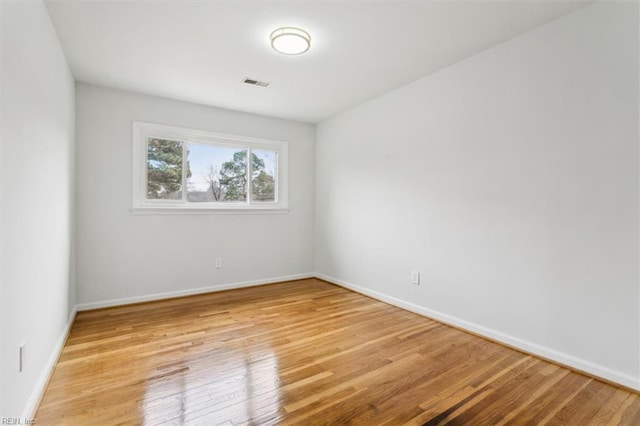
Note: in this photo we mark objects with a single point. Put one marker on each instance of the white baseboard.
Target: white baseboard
(30, 408)
(529, 347)
(188, 292)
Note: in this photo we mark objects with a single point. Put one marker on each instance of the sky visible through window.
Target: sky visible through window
(202, 157)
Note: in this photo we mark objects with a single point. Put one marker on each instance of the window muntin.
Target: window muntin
(182, 170)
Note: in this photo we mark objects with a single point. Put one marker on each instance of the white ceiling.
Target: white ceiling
(199, 51)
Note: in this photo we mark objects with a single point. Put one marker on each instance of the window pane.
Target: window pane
(164, 169)
(216, 173)
(264, 163)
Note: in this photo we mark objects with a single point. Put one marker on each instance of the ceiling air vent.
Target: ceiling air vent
(255, 82)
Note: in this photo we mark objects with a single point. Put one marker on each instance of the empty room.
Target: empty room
(320, 212)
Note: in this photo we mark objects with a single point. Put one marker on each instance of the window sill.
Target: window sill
(181, 210)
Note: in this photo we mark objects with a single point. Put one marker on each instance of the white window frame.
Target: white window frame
(142, 131)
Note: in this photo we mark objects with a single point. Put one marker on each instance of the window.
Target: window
(184, 171)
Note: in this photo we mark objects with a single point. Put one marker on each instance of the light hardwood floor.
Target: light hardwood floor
(306, 352)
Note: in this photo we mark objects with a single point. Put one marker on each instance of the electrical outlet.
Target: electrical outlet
(218, 263)
(22, 356)
(415, 277)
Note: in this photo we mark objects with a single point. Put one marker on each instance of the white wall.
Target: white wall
(510, 181)
(37, 200)
(126, 256)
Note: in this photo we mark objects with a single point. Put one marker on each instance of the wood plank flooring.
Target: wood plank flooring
(306, 352)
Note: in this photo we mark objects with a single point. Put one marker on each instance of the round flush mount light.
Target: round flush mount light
(290, 40)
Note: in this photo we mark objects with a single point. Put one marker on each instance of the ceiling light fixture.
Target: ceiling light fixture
(290, 40)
